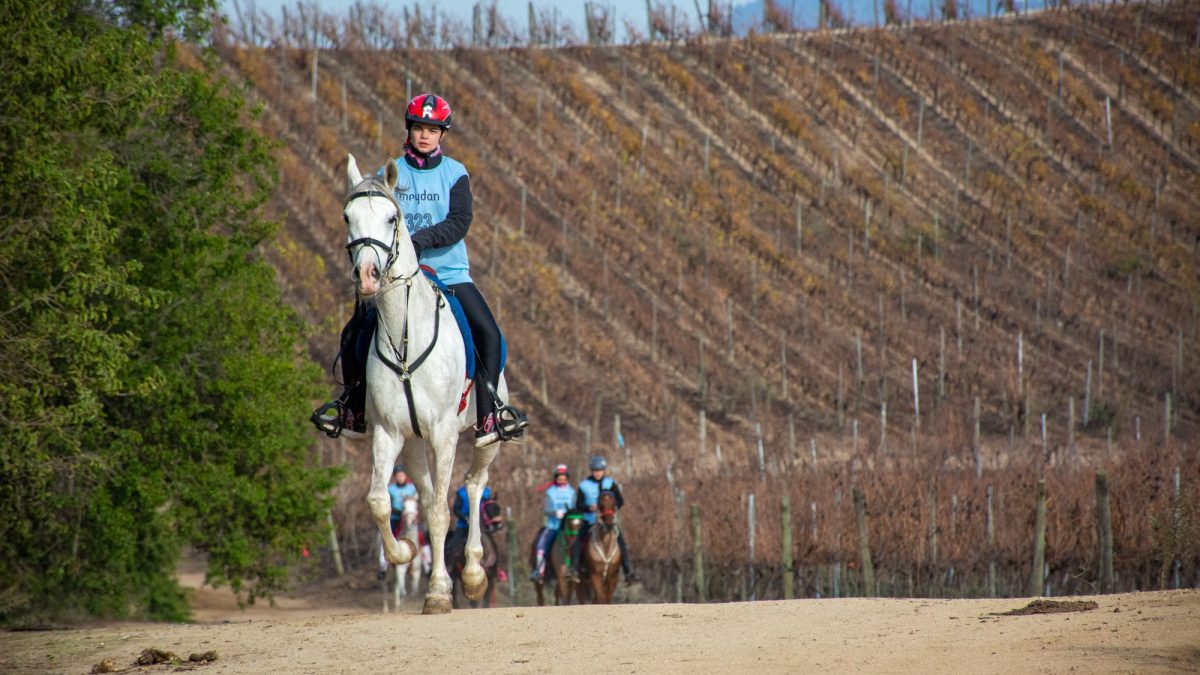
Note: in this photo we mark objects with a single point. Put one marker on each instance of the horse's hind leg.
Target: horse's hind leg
(474, 578)
(385, 449)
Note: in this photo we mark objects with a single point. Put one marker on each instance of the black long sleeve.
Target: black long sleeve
(454, 227)
(616, 490)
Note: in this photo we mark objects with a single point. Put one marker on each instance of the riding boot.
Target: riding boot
(630, 577)
(577, 552)
(539, 567)
(348, 410)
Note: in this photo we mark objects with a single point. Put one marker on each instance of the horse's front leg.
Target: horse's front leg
(433, 488)
(474, 578)
(385, 449)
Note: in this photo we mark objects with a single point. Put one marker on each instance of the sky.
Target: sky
(516, 11)
(626, 11)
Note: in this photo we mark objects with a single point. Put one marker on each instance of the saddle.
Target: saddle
(362, 347)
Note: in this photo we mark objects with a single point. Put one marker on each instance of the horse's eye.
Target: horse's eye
(392, 220)
(346, 219)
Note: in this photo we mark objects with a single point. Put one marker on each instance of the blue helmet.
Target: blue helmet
(598, 463)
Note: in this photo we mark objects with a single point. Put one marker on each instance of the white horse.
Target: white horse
(415, 380)
(407, 576)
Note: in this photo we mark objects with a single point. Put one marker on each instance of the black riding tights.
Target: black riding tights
(486, 334)
(484, 330)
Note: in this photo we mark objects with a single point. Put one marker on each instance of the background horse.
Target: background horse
(601, 553)
(557, 555)
(415, 379)
(407, 576)
(493, 523)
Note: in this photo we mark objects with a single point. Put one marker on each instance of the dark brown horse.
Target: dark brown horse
(557, 557)
(601, 553)
(491, 522)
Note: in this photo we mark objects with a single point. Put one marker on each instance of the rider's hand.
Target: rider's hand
(592, 507)
(560, 513)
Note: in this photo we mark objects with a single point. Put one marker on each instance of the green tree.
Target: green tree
(151, 378)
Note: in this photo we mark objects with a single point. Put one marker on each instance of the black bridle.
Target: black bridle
(370, 241)
(401, 365)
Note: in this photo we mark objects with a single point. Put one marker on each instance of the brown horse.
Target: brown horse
(492, 522)
(601, 551)
(557, 557)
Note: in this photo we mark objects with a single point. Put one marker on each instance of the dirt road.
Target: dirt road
(1145, 632)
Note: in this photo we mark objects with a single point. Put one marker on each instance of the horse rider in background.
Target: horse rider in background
(462, 514)
(560, 498)
(400, 488)
(588, 495)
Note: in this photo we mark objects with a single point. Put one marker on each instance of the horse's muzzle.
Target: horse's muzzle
(366, 275)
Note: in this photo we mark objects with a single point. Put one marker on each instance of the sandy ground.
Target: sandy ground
(1144, 632)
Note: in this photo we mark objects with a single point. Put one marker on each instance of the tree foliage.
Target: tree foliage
(151, 378)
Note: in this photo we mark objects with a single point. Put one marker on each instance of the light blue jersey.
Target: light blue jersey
(558, 498)
(424, 196)
(590, 491)
(399, 493)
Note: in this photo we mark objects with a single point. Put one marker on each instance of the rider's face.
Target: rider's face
(597, 473)
(561, 479)
(425, 137)
(401, 478)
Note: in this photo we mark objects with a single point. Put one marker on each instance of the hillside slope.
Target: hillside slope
(782, 232)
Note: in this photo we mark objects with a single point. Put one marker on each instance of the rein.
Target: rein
(401, 366)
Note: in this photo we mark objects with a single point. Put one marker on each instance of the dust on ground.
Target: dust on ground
(339, 627)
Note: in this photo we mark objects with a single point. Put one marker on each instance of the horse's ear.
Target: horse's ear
(391, 175)
(353, 175)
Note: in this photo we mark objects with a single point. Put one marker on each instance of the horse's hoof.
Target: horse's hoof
(436, 604)
(474, 585)
(410, 550)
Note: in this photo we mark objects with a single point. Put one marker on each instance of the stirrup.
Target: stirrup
(510, 422)
(331, 426)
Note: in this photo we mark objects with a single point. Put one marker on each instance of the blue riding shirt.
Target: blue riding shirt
(462, 506)
(424, 197)
(558, 498)
(399, 493)
(589, 495)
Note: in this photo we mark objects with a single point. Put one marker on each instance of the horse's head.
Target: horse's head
(606, 507)
(492, 516)
(412, 510)
(572, 525)
(375, 233)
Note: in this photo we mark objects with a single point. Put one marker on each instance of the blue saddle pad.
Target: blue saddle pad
(371, 320)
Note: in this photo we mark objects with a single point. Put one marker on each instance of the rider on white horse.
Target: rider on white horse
(434, 194)
(589, 495)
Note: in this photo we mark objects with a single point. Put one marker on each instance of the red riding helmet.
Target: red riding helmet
(428, 109)
(562, 470)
